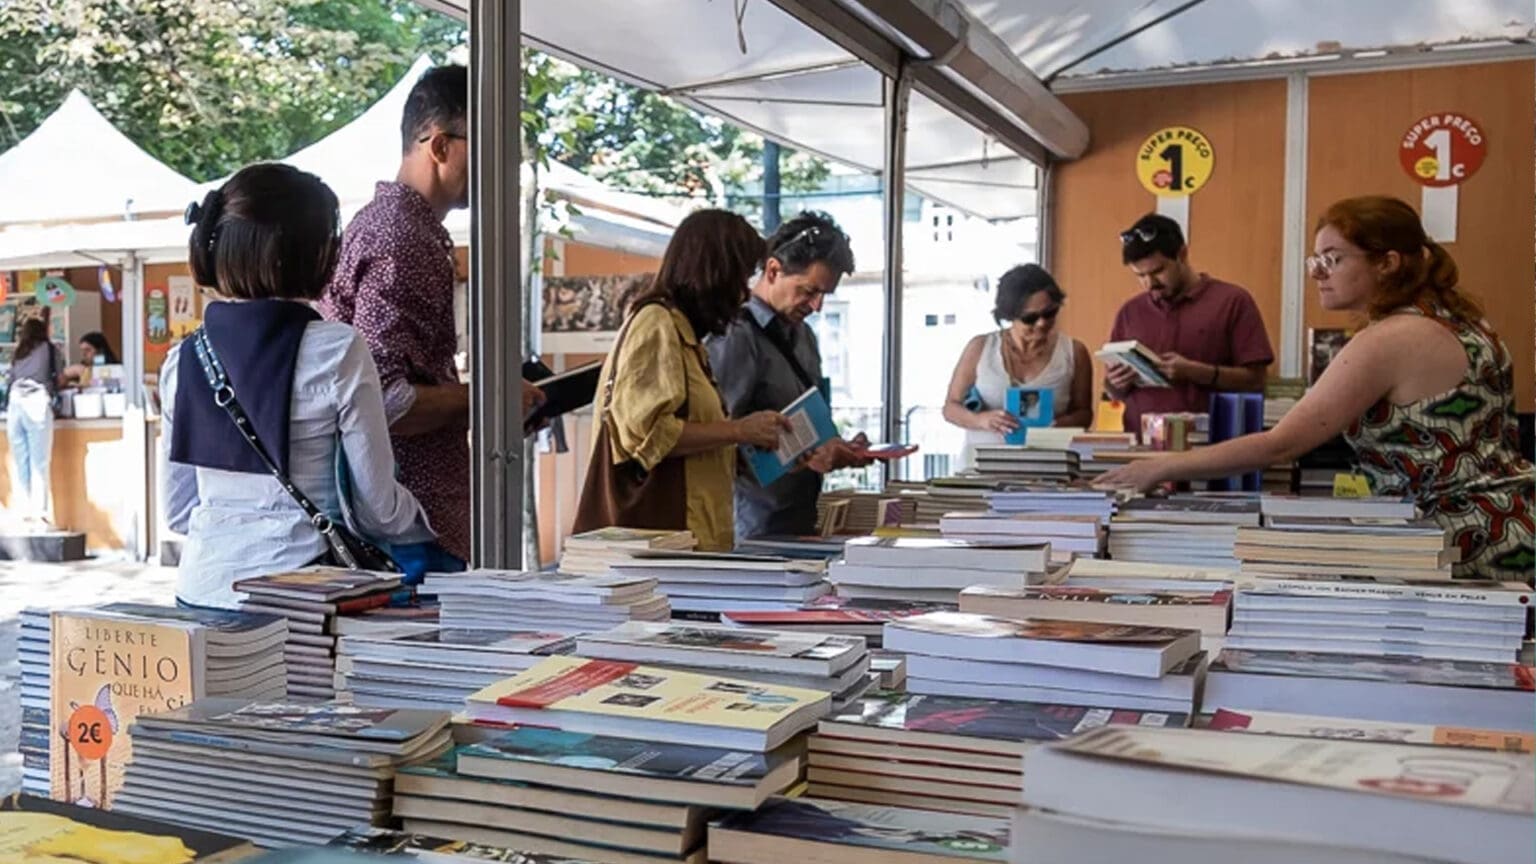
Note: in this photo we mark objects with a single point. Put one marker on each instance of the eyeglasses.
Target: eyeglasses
(1028, 319)
(1326, 263)
(1145, 234)
(812, 233)
(428, 137)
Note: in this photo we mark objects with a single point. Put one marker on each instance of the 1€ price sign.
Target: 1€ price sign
(1175, 162)
(90, 732)
(1442, 149)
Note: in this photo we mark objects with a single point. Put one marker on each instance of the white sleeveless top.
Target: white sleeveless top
(993, 381)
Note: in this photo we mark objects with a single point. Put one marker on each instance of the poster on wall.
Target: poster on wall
(1441, 151)
(1174, 163)
(157, 327)
(183, 306)
(582, 314)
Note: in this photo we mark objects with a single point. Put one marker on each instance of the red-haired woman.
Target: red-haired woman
(1424, 393)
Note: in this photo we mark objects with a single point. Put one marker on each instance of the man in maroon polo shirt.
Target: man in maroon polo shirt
(1208, 333)
(394, 282)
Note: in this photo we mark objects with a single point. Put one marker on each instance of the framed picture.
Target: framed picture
(582, 314)
(1323, 344)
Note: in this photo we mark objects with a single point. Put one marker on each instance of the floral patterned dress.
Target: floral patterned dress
(1458, 455)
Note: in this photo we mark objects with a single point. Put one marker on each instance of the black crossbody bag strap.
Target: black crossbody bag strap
(805, 379)
(224, 397)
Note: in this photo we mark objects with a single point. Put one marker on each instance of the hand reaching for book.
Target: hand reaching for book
(997, 420)
(761, 429)
(1121, 377)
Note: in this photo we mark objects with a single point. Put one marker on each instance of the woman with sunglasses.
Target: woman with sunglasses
(1423, 393)
(1026, 351)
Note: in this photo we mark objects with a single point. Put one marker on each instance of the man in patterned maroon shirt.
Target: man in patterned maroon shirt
(394, 282)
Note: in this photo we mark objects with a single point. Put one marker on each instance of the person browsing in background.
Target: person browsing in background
(394, 282)
(1424, 393)
(1208, 333)
(769, 356)
(94, 351)
(36, 372)
(663, 428)
(1027, 351)
(265, 245)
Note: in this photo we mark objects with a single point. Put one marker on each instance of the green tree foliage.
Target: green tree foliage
(209, 85)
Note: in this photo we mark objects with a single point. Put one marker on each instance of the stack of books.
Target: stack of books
(1190, 530)
(1313, 726)
(1125, 793)
(1036, 500)
(310, 600)
(554, 602)
(1374, 507)
(1207, 611)
(10, 707)
(421, 614)
(602, 697)
(1070, 536)
(803, 548)
(435, 668)
(1465, 619)
(819, 830)
(1020, 464)
(866, 511)
(34, 656)
(1145, 576)
(1092, 446)
(943, 753)
(701, 584)
(953, 495)
(1051, 661)
(864, 618)
(593, 552)
(1303, 545)
(277, 774)
(1389, 689)
(587, 797)
(836, 665)
(933, 570)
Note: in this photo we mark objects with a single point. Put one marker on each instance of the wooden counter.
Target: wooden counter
(88, 489)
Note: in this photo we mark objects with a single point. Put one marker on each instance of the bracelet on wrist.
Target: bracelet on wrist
(1215, 375)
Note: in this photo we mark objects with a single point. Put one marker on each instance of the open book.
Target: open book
(1137, 356)
(810, 426)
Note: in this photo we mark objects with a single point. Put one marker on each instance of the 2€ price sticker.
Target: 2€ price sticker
(1351, 486)
(1442, 149)
(1175, 161)
(90, 732)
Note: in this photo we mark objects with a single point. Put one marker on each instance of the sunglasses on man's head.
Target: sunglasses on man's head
(1145, 235)
(425, 138)
(812, 232)
(1029, 319)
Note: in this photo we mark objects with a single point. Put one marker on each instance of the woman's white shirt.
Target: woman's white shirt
(242, 525)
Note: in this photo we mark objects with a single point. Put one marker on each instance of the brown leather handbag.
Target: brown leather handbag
(625, 494)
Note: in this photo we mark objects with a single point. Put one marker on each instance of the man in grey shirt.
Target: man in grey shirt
(769, 357)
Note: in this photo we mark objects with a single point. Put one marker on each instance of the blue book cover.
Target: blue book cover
(810, 421)
(626, 756)
(1034, 406)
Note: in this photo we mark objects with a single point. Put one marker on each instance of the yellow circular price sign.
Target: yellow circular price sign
(1175, 161)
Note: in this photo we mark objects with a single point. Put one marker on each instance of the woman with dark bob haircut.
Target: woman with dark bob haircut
(264, 244)
(1027, 350)
(1424, 393)
(661, 417)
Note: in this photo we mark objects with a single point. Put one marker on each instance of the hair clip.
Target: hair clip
(193, 213)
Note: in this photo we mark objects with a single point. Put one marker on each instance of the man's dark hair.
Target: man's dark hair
(270, 232)
(1018, 285)
(808, 238)
(1152, 234)
(706, 268)
(440, 98)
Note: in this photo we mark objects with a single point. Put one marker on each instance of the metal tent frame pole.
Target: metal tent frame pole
(138, 442)
(495, 289)
(898, 90)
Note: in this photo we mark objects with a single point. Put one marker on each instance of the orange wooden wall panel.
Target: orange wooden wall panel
(1355, 125)
(1235, 221)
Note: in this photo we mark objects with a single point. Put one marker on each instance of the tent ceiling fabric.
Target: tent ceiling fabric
(108, 176)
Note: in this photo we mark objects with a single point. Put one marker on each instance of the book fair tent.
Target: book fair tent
(968, 102)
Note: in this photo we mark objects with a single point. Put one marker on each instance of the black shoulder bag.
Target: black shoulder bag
(347, 548)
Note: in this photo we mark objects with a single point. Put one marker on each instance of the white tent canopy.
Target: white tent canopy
(77, 166)
(773, 72)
